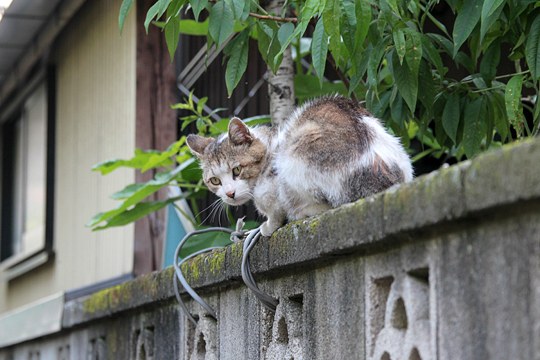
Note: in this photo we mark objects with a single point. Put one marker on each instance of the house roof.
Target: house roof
(28, 29)
(20, 23)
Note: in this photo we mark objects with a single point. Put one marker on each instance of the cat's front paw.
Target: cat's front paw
(268, 228)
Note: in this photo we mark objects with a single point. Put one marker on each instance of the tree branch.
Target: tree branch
(274, 18)
(340, 74)
(268, 17)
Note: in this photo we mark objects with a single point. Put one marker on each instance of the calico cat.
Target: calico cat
(329, 152)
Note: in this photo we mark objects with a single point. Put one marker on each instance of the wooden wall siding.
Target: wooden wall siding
(156, 129)
(95, 122)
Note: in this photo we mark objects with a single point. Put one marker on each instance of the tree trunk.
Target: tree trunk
(281, 84)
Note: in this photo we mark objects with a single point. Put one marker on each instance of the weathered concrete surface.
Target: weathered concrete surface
(446, 267)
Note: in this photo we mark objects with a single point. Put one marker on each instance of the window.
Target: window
(26, 158)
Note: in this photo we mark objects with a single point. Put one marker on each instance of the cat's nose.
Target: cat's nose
(230, 194)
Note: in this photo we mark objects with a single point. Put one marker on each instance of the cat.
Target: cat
(329, 152)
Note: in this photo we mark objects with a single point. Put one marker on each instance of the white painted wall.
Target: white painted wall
(95, 121)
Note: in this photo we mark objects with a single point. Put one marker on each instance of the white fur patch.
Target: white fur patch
(387, 147)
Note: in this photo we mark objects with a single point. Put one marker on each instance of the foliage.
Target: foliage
(395, 55)
(387, 57)
(186, 175)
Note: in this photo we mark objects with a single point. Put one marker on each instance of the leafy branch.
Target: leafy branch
(450, 92)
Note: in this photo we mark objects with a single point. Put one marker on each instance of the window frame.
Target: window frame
(18, 264)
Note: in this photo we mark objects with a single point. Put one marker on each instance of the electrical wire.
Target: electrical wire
(236, 236)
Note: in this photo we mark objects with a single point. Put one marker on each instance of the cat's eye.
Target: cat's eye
(215, 181)
(236, 171)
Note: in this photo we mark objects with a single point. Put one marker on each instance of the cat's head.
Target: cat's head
(231, 163)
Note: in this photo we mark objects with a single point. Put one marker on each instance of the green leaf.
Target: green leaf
(192, 27)
(172, 35)
(400, 44)
(393, 6)
(467, 18)
(432, 55)
(451, 116)
(124, 10)
(237, 7)
(173, 10)
(358, 71)
(284, 33)
(443, 42)
(307, 87)
(397, 112)
(514, 107)
(427, 86)
(490, 61)
(156, 11)
(135, 213)
(413, 53)
(319, 50)
(406, 82)
(499, 113)
(331, 17)
(221, 22)
(150, 15)
(197, 6)
(164, 158)
(237, 64)
(532, 48)
(474, 128)
(163, 5)
(438, 24)
(160, 180)
(137, 162)
(491, 10)
(201, 103)
(205, 241)
(379, 107)
(127, 191)
(376, 55)
(264, 38)
(348, 25)
(182, 106)
(310, 8)
(274, 56)
(363, 21)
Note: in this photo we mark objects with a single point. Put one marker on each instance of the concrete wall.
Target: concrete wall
(95, 121)
(447, 267)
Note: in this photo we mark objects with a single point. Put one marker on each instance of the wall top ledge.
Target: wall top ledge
(469, 191)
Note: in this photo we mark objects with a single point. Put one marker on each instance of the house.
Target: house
(73, 92)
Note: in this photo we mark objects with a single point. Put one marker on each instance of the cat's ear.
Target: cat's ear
(197, 144)
(239, 133)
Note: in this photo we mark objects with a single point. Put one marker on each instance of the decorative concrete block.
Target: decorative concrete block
(399, 323)
(284, 338)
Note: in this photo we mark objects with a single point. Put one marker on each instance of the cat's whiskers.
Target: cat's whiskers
(224, 207)
(217, 212)
(213, 207)
(214, 203)
(244, 193)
